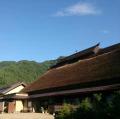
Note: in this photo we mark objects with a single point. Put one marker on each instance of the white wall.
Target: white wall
(15, 90)
(19, 106)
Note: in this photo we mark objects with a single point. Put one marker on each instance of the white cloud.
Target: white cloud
(105, 32)
(78, 9)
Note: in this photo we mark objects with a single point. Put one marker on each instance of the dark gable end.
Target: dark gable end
(100, 70)
(87, 53)
(109, 49)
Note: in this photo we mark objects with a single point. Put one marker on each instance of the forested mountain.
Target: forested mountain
(26, 71)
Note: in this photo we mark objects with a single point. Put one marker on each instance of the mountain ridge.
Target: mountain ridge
(22, 71)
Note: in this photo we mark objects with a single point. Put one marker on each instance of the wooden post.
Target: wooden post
(1, 107)
(3, 104)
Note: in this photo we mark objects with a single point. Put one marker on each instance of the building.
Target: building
(11, 100)
(92, 70)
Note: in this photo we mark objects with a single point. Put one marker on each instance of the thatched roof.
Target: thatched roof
(104, 66)
(87, 53)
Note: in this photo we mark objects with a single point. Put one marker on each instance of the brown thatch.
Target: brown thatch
(105, 66)
(109, 49)
(87, 53)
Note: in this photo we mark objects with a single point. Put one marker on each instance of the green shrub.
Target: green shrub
(65, 112)
(86, 104)
(98, 107)
(114, 106)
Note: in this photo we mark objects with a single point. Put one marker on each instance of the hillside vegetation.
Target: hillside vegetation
(26, 71)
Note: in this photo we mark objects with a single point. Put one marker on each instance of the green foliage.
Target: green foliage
(98, 107)
(114, 106)
(65, 112)
(86, 104)
(26, 71)
(84, 111)
(97, 97)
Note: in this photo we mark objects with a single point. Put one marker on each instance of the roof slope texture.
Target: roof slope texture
(87, 53)
(102, 70)
(12, 91)
(8, 88)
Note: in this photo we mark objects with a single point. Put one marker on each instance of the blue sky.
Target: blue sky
(46, 29)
